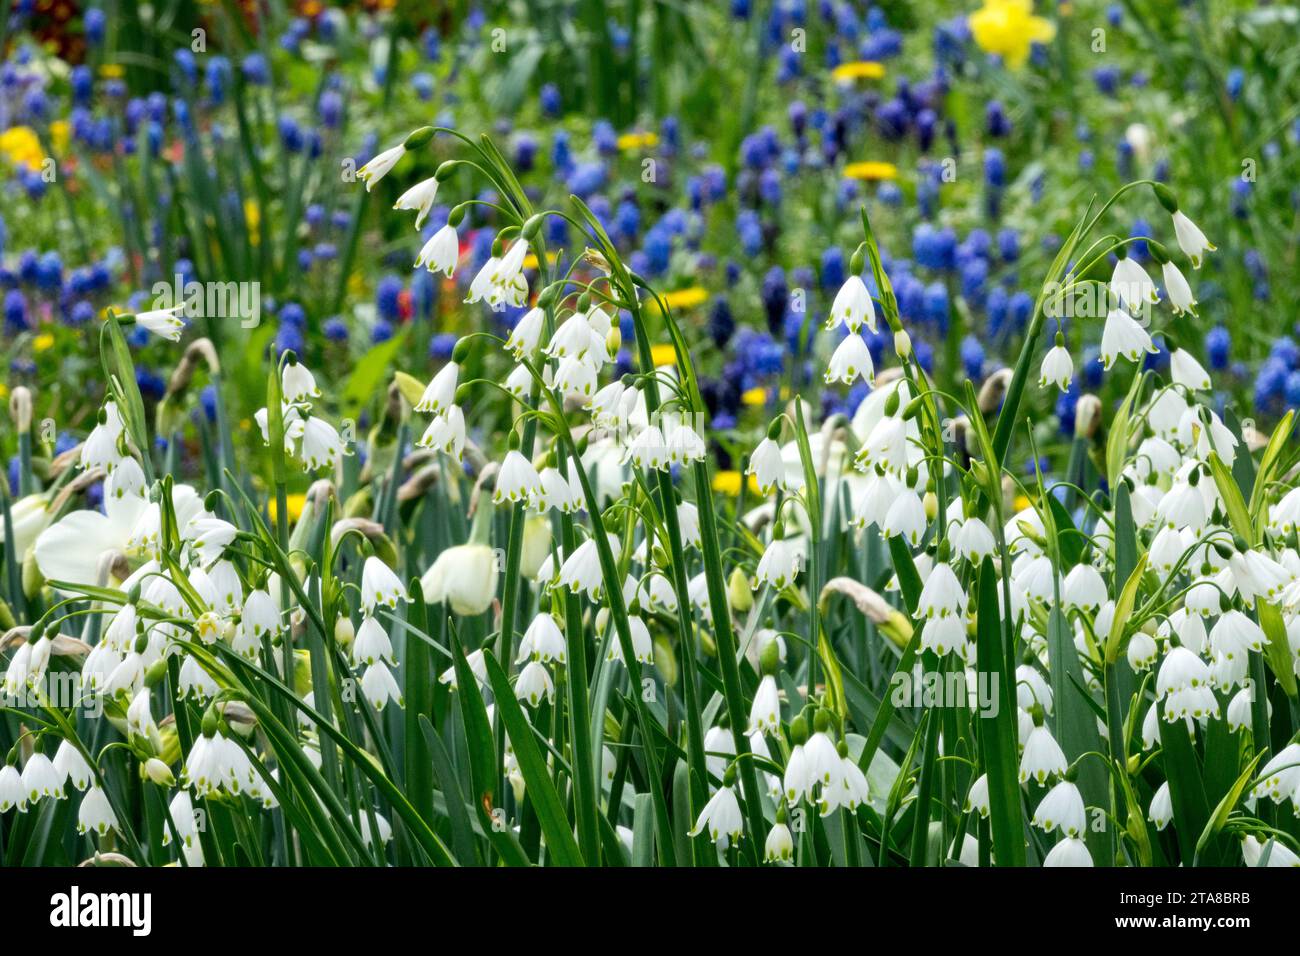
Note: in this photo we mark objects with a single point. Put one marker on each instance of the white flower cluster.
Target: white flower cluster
(307, 436)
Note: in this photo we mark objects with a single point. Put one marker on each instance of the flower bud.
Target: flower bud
(799, 730)
(20, 408)
(1087, 416)
(344, 631)
(858, 260)
(210, 721)
(739, 594)
(536, 545)
(902, 344)
(156, 672)
(32, 579)
(159, 773)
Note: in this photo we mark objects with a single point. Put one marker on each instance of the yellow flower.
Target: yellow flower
(112, 71)
(22, 146)
(293, 502)
(1021, 503)
(860, 70)
(630, 141)
(530, 260)
(4, 391)
(59, 135)
(755, 396)
(663, 355)
(686, 298)
(42, 342)
(253, 216)
(1008, 28)
(871, 171)
(728, 483)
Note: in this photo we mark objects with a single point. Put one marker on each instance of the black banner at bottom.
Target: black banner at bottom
(338, 907)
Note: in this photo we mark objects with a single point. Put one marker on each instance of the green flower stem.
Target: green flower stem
(585, 789)
(618, 614)
(733, 691)
(812, 500)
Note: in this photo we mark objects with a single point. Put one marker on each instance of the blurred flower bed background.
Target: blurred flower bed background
(724, 146)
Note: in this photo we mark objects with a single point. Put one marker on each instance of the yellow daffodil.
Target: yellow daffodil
(252, 216)
(686, 298)
(728, 483)
(1008, 28)
(21, 145)
(60, 133)
(859, 70)
(871, 171)
(293, 504)
(663, 354)
(530, 260)
(631, 141)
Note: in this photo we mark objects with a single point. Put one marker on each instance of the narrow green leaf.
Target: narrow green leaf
(643, 831)
(1186, 792)
(462, 833)
(1074, 716)
(1238, 514)
(997, 731)
(1278, 652)
(1268, 463)
(1124, 611)
(478, 729)
(1220, 816)
(909, 580)
(560, 842)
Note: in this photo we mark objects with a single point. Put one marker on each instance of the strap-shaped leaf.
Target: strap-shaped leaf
(1124, 611)
(1221, 812)
(1238, 514)
(997, 731)
(560, 843)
